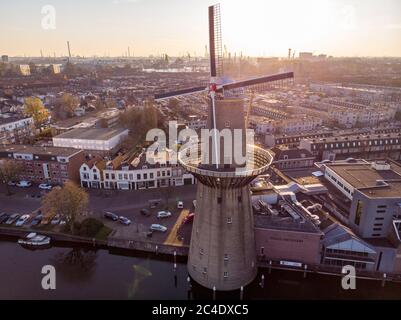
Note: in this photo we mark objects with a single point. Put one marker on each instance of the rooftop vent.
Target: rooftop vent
(381, 165)
(381, 183)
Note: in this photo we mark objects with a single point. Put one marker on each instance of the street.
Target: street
(122, 203)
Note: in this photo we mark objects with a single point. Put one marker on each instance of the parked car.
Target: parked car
(163, 214)
(111, 216)
(45, 186)
(180, 205)
(56, 220)
(158, 227)
(24, 218)
(37, 220)
(145, 212)
(4, 217)
(124, 220)
(189, 218)
(24, 184)
(12, 218)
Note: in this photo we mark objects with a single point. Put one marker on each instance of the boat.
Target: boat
(35, 240)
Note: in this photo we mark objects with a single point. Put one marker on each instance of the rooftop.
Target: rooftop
(6, 118)
(368, 180)
(352, 138)
(37, 150)
(92, 133)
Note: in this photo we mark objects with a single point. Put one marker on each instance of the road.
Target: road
(126, 203)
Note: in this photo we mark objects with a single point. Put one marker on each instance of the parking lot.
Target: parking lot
(122, 203)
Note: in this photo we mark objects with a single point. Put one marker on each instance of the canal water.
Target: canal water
(100, 274)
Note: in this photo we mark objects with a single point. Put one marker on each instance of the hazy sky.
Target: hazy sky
(256, 27)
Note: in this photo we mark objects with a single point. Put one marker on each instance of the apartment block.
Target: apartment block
(45, 164)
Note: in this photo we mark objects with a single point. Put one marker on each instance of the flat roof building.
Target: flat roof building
(45, 164)
(96, 139)
(374, 190)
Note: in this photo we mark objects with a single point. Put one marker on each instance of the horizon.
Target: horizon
(338, 28)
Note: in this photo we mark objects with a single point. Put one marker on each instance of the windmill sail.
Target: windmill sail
(215, 42)
(255, 83)
(182, 92)
(216, 69)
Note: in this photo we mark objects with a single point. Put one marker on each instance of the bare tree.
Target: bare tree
(70, 201)
(9, 171)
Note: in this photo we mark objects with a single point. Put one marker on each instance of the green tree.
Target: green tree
(34, 108)
(70, 201)
(9, 171)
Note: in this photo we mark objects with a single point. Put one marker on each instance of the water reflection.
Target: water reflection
(77, 264)
(141, 272)
(101, 274)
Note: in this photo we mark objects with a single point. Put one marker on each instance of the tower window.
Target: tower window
(225, 274)
(219, 200)
(239, 199)
(229, 220)
(227, 124)
(225, 257)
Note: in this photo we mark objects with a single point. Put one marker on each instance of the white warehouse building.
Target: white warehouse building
(92, 139)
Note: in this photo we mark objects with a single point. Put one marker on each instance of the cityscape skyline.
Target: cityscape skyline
(333, 27)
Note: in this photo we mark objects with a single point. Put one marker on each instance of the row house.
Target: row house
(361, 146)
(269, 112)
(302, 123)
(135, 172)
(45, 164)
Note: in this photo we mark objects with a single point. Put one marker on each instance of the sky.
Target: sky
(175, 27)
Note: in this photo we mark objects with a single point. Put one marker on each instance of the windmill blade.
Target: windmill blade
(215, 42)
(183, 92)
(257, 82)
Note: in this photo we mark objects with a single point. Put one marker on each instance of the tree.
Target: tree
(140, 120)
(70, 201)
(9, 171)
(35, 109)
(69, 103)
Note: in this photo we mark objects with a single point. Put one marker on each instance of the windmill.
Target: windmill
(222, 252)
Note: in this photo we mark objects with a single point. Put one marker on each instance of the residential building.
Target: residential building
(134, 172)
(302, 123)
(45, 164)
(292, 158)
(367, 146)
(196, 123)
(14, 129)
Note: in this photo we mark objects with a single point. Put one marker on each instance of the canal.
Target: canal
(84, 273)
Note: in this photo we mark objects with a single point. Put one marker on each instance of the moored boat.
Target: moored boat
(35, 240)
